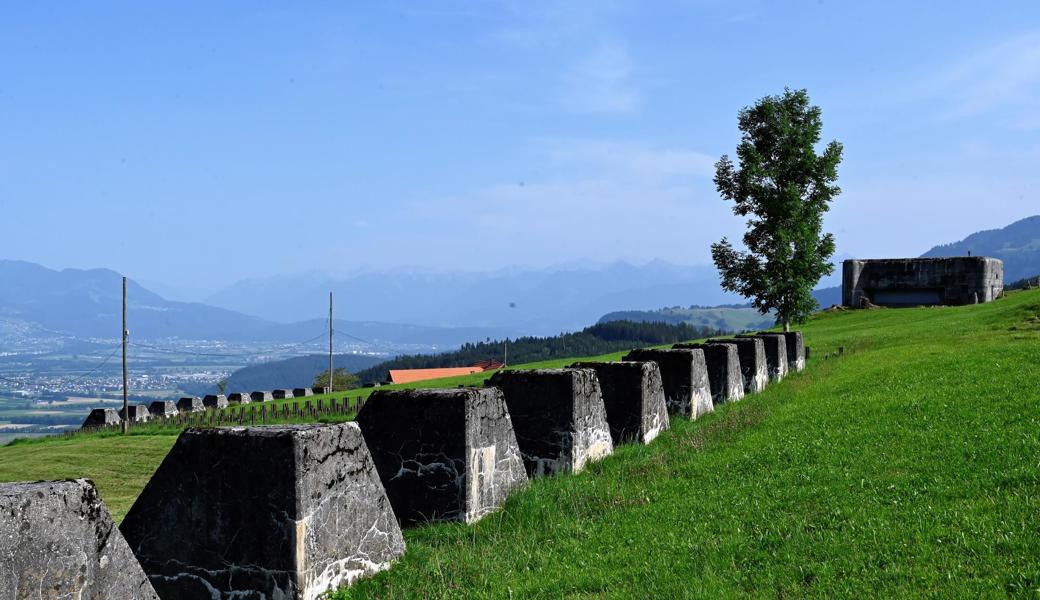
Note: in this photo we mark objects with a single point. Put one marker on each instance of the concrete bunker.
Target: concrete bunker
(59, 541)
(215, 401)
(161, 409)
(795, 351)
(99, 417)
(899, 282)
(685, 378)
(558, 416)
(633, 396)
(443, 454)
(723, 364)
(776, 353)
(316, 519)
(753, 364)
(190, 405)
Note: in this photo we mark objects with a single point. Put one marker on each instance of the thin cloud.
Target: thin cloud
(636, 159)
(600, 81)
(1004, 77)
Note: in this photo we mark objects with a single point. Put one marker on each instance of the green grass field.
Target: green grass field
(908, 466)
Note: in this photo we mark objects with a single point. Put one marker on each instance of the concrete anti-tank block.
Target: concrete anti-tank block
(138, 413)
(795, 351)
(753, 366)
(776, 353)
(633, 396)
(100, 417)
(261, 396)
(558, 416)
(239, 398)
(286, 511)
(685, 377)
(302, 392)
(281, 394)
(190, 405)
(724, 376)
(160, 409)
(320, 390)
(443, 454)
(57, 540)
(215, 401)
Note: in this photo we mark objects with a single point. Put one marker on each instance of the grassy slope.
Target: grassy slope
(908, 464)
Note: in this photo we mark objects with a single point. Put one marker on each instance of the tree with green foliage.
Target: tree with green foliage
(785, 187)
(342, 380)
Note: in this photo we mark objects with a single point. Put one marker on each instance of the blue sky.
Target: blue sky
(198, 143)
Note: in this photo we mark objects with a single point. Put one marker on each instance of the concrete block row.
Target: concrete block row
(161, 409)
(332, 499)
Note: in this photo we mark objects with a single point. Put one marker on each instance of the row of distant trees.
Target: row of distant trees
(601, 338)
(342, 380)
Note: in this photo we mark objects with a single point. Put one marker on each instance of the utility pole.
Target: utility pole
(126, 408)
(505, 357)
(330, 342)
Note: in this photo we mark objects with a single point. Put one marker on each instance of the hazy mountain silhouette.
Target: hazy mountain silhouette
(88, 304)
(530, 301)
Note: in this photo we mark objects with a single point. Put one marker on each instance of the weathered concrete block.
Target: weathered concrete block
(57, 541)
(633, 396)
(685, 377)
(299, 511)
(753, 365)
(100, 417)
(281, 394)
(160, 409)
(724, 376)
(558, 416)
(795, 350)
(261, 396)
(239, 398)
(921, 281)
(190, 405)
(443, 454)
(302, 392)
(138, 413)
(320, 390)
(776, 353)
(216, 401)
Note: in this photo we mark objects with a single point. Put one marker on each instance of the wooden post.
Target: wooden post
(330, 341)
(126, 404)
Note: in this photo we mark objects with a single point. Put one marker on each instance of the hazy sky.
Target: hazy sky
(195, 143)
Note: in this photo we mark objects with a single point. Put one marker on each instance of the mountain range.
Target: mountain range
(37, 301)
(527, 301)
(411, 307)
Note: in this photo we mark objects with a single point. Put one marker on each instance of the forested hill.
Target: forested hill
(727, 317)
(597, 339)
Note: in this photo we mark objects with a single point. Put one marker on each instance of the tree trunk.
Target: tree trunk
(787, 324)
